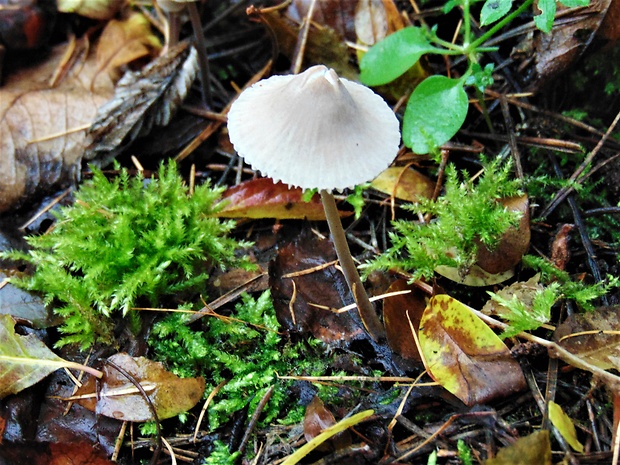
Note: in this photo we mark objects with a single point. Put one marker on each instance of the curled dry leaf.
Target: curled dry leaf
(560, 252)
(593, 336)
(31, 110)
(119, 398)
(142, 99)
(464, 355)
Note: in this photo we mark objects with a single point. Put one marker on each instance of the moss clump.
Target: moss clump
(124, 243)
(466, 215)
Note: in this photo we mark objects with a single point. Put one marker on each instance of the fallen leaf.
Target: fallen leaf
(583, 335)
(475, 276)
(262, 198)
(123, 42)
(47, 453)
(25, 305)
(404, 183)
(142, 99)
(395, 310)
(371, 21)
(464, 355)
(564, 425)
(24, 360)
(93, 9)
(31, 110)
(295, 298)
(534, 449)
(317, 419)
(118, 398)
(524, 291)
(513, 243)
(338, 15)
(560, 253)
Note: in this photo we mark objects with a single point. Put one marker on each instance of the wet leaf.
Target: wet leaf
(436, 111)
(118, 398)
(24, 360)
(123, 42)
(25, 305)
(142, 100)
(41, 453)
(93, 9)
(513, 243)
(583, 335)
(317, 419)
(464, 355)
(404, 183)
(295, 304)
(534, 449)
(261, 198)
(31, 110)
(395, 309)
(564, 425)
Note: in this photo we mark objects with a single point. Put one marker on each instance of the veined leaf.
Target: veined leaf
(436, 111)
(394, 55)
(25, 360)
(493, 10)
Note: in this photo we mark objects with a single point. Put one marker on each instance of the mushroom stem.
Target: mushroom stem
(203, 59)
(366, 310)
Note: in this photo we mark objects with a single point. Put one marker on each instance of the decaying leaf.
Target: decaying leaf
(49, 453)
(119, 398)
(464, 355)
(317, 419)
(524, 291)
(584, 335)
(142, 99)
(371, 21)
(31, 110)
(93, 9)
(560, 253)
(24, 360)
(262, 198)
(338, 15)
(534, 449)
(564, 425)
(513, 243)
(404, 183)
(123, 42)
(475, 276)
(395, 311)
(26, 305)
(317, 282)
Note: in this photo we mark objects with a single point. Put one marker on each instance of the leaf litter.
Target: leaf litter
(309, 292)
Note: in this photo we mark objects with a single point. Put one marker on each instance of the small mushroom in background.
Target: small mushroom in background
(315, 130)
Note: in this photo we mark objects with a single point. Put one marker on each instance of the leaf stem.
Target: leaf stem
(366, 310)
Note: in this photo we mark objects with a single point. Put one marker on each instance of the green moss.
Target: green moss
(125, 243)
(465, 214)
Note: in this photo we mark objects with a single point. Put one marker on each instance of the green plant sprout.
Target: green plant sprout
(126, 243)
(438, 106)
(466, 215)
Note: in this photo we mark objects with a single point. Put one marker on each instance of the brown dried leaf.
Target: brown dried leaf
(534, 449)
(317, 419)
(464, 355)
(371, 21)
(513, 244)
(118, 398)
(523, 291)
(397, 327)
(404, 183)
(261, 198)
(41, 453)
(560, 253)
(326, 287)
(337, 15)
(583, 335)
(31, 110)
(123, 42)
(142, 99)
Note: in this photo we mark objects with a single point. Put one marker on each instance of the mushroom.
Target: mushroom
(315, 130)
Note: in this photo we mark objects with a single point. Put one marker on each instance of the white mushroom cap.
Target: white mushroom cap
(314, 130)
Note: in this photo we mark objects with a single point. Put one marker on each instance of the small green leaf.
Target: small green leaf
(493, 10)
(574, 3)
(544, 21)
(436, 111)
(564, 425)
(394, 55)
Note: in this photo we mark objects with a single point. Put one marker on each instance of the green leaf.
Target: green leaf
(574, 3)
(493, 10)
(394, 55)
(435, 112)
(544, 21)
(25, 360)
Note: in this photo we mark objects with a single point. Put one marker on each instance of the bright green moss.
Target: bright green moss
(126, 243)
